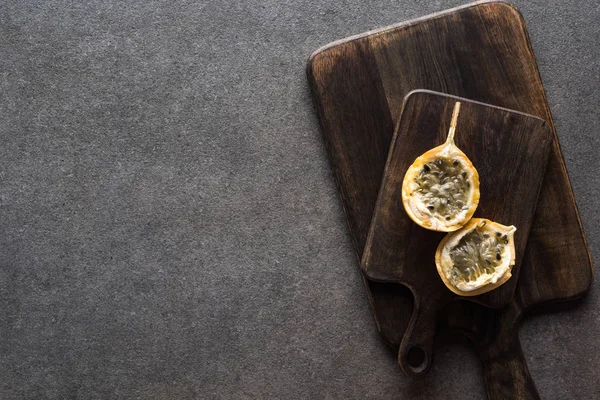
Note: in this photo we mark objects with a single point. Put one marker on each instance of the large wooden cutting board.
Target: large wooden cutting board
(482, 52)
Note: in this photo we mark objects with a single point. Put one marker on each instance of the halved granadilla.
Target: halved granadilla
(477, 258)
(440, 191)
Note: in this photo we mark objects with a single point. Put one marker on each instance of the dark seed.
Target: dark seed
(485, 235)
(430, 207)
(447, 218)
(497, 233)
(464, 174)
(488, 261)
(504, 237)
(498, 256)
(427, 168)
(455, 163)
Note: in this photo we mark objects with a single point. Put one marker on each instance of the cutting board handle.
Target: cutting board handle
(505, 369)
(504, 366)
(495, 335)
(415, 354)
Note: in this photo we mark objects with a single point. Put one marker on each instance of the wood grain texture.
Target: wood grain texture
(479, 51)
(497, 343)
(510, 151)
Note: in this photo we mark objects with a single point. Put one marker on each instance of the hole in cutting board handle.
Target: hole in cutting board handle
(417, 359)
(415, 354)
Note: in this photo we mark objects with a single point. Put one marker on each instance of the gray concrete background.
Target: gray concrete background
(169, 224)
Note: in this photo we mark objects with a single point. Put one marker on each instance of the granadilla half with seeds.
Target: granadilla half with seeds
(440, 191)
(477, 258)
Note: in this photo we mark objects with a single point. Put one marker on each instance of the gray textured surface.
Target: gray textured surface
(169, 224)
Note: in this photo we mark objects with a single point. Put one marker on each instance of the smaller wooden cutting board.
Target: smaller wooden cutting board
(510, 151)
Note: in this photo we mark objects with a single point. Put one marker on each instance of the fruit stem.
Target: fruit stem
(453, 122)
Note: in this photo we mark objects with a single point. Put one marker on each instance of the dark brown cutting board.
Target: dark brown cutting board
(482, 52)
(509, 150)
